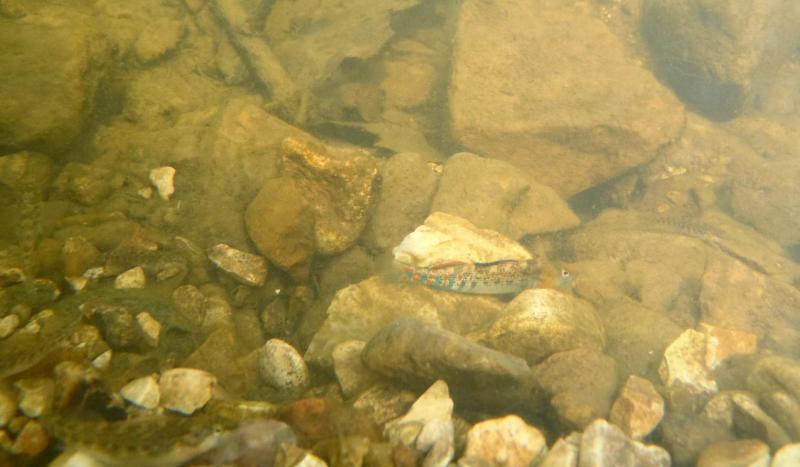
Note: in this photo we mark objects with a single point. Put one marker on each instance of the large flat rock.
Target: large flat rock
(553, 91)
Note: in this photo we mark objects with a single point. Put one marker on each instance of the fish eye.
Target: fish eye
(564, 273)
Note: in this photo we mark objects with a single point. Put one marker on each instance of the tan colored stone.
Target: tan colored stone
(557, 113)
(638, 409)
(683, 366)
(721, 343)
(737, 453)
(505, 441)
(339, 188)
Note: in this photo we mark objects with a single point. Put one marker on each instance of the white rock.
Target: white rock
(787, 456)
(282, 367)
(185, 390)
(605, 444)
(133, 278)
(684, 366)
(145, 192)
(143, 392)
(102, 361)
(151, 328)
(444, 237)
(350, 371)
(434, 407)
(35, 395)
(163, 178)
(8, 325)
(310, 460)
(76, 458)
(246, 267)
(505, 441)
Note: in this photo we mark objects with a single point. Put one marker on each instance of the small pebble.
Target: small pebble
(151, 328)
(131, 279)
(185, 390)
(35, 395)
(8, 325)
(8, 406)
(143, 392)
(163, 178)
(103, 360)
(282, 367)
(247, 268)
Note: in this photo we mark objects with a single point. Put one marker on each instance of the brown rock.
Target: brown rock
(407, 188)
(738, 297)
(739, 453)
(508, 438)
(281, 225)
(308, 417)
(32, 440)
(580, 384)
(338, 188)
(577, 127)
(638, 409)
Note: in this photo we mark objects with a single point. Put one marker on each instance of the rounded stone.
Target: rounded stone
(143, 392)
(282, 367)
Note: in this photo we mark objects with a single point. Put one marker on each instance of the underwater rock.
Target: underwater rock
(352, 375)
(684, 372)
(87, 184)
(638, 409)
(564, 452)
(361, 310)
(35, 395)
(429, 421)
(444, 237)
(493, 194)
(151, 328)
(605, 444)
(185, 390)
(787, 456)
(339, 188)
(738, 453)
(282, 367)
(580, 128)
(8, 324)
(714, 72)
(247, 268)
(133, 278)
(350, 267)
(32, 440)
(163, 178)
(408, 184)
(281, 225)
(540, 322)
(722, 343)
(159, 38)
(117, 324)
(79, 255)
(580, 385)
(190, 303)
(508, 440)
(764, 194)
(333, 33)
(637, 337)
(52, 71)
(414, 351)
(736, 296)
(143, 392)
(255, 442)
(320, 204)
(8, 405)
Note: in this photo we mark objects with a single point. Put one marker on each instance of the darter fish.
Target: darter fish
(495, 278)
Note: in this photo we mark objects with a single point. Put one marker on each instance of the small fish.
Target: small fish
(495, 278)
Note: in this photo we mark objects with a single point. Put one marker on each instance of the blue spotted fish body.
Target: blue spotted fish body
(496, 277)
